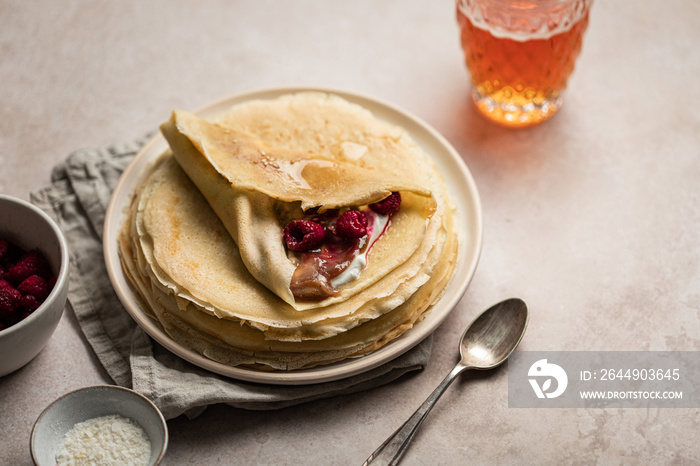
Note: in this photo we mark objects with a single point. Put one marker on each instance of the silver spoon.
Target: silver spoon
(485, 344)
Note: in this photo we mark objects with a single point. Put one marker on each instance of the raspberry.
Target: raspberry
(30, 303)
(10, 300)
(388, 205)
(31, 263)
(5, 285)
(351, 225)
(303, 235)
(35, 286)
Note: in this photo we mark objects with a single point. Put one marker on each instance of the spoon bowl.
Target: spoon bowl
(491, 337)
(485, 344)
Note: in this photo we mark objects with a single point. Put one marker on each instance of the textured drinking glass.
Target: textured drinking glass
(520, 54)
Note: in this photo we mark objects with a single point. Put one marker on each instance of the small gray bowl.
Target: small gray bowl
(89, 403)
(28, 226)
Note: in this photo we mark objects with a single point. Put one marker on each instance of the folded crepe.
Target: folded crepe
(203, 246)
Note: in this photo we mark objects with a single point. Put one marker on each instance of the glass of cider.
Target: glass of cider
(520, 54)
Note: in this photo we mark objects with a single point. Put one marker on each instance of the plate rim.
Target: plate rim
(343, 369)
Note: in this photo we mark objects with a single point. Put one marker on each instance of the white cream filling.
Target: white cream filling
(360, 261)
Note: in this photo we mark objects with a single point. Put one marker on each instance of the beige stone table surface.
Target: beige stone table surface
(593, 218)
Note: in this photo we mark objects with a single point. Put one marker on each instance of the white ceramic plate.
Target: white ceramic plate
(461, 187)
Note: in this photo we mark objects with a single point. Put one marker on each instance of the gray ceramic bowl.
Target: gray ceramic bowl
(28, 226)
(89, 403)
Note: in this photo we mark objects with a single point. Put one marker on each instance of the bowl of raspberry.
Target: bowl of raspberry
(34, 264)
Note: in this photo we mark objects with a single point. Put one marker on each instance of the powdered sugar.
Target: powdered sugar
(106, 440)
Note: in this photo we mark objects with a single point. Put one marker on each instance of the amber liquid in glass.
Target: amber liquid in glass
(519, 83)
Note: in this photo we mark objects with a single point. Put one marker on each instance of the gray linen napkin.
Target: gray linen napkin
(77, 199)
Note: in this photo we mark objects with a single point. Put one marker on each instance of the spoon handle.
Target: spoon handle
(393, 448)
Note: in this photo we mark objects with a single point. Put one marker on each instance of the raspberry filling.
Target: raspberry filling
(341, 256)
(332, 248)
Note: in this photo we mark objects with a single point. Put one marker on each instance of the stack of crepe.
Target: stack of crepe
(202, 241)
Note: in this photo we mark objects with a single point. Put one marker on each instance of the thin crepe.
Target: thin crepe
(248, 164)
